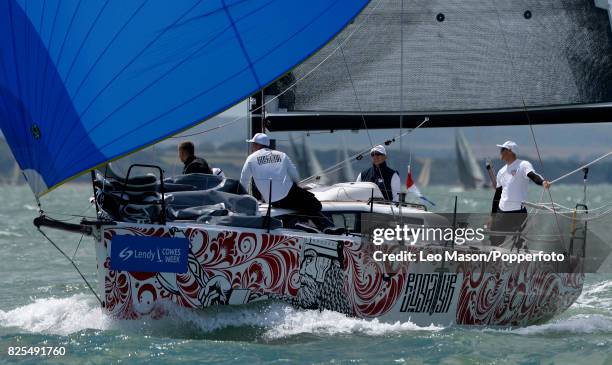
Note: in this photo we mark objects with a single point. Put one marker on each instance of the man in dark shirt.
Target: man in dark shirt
(386, 178)
(192, 163)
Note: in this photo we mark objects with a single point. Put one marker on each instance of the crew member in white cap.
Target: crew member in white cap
(274, 168)
(511, 191)
(386, 178)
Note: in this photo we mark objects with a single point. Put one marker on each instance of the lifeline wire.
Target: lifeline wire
(338, 165)
(582, 167)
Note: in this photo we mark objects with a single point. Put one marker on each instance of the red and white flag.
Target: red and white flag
(412, 188)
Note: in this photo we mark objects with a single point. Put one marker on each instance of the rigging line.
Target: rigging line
(582, 167)
(73, 216)
(333, 167)
(587, 218)
(526, 111)
(365, 125)
(78, 245)
(211, 129)
(73, 264)
(542, 166)
(307, 74)
(403, 190)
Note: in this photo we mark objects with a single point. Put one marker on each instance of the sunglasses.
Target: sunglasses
(376, 154)
(503, 149)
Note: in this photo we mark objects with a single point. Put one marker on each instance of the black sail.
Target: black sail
(461, 63)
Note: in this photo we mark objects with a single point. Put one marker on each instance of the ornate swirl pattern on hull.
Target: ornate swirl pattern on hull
(515, 295)
(238, 267)
(373, 287)
(225, 268)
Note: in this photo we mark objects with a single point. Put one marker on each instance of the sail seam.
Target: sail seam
(244, 51)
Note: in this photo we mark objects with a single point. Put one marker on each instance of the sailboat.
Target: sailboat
(425, 174)
(306, 160)
(346, 172)
(470, 173)
(111, 78)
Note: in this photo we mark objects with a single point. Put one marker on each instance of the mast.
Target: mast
(256, 124)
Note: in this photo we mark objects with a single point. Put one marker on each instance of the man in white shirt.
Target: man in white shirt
(379, 173)
(511, 191)
(277, 179)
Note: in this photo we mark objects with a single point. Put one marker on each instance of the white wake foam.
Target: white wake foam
(330, 323)
(579, 324)
(61, 316)
(281, 320)
(10, 234)
(597, 296)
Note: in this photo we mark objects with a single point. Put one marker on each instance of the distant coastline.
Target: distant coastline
(230, 158)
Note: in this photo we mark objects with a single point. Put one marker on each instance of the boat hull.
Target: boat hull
(228, 266)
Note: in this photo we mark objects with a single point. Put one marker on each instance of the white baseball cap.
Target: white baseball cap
(217, 171)
(380, 149)
(260, 138)
(510, 145)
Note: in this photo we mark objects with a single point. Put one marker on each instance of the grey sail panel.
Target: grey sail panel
(468, 55)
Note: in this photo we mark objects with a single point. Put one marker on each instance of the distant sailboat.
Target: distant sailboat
(298, 157)
(346, 172)
(313, 164)
(424, 175)
(470, 174)
(306, 161)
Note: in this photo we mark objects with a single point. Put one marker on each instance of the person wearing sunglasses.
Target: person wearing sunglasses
(511, 191)
(387, 179)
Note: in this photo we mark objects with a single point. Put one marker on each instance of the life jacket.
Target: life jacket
(381, 176)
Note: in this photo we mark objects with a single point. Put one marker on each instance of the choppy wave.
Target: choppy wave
(579, 324)
(10, 234)
(282, 320)
(64, 316)
(597, 296)
(60, 316)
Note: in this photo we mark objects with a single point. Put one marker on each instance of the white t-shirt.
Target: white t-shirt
(264, 165)
(514, 182)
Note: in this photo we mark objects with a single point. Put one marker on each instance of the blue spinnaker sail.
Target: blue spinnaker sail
(84, 82)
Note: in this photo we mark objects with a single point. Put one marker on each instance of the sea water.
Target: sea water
(43, 302)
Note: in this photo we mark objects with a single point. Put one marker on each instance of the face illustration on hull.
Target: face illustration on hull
(322, 283)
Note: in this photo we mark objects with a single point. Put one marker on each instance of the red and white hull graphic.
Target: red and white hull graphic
(228, 266)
